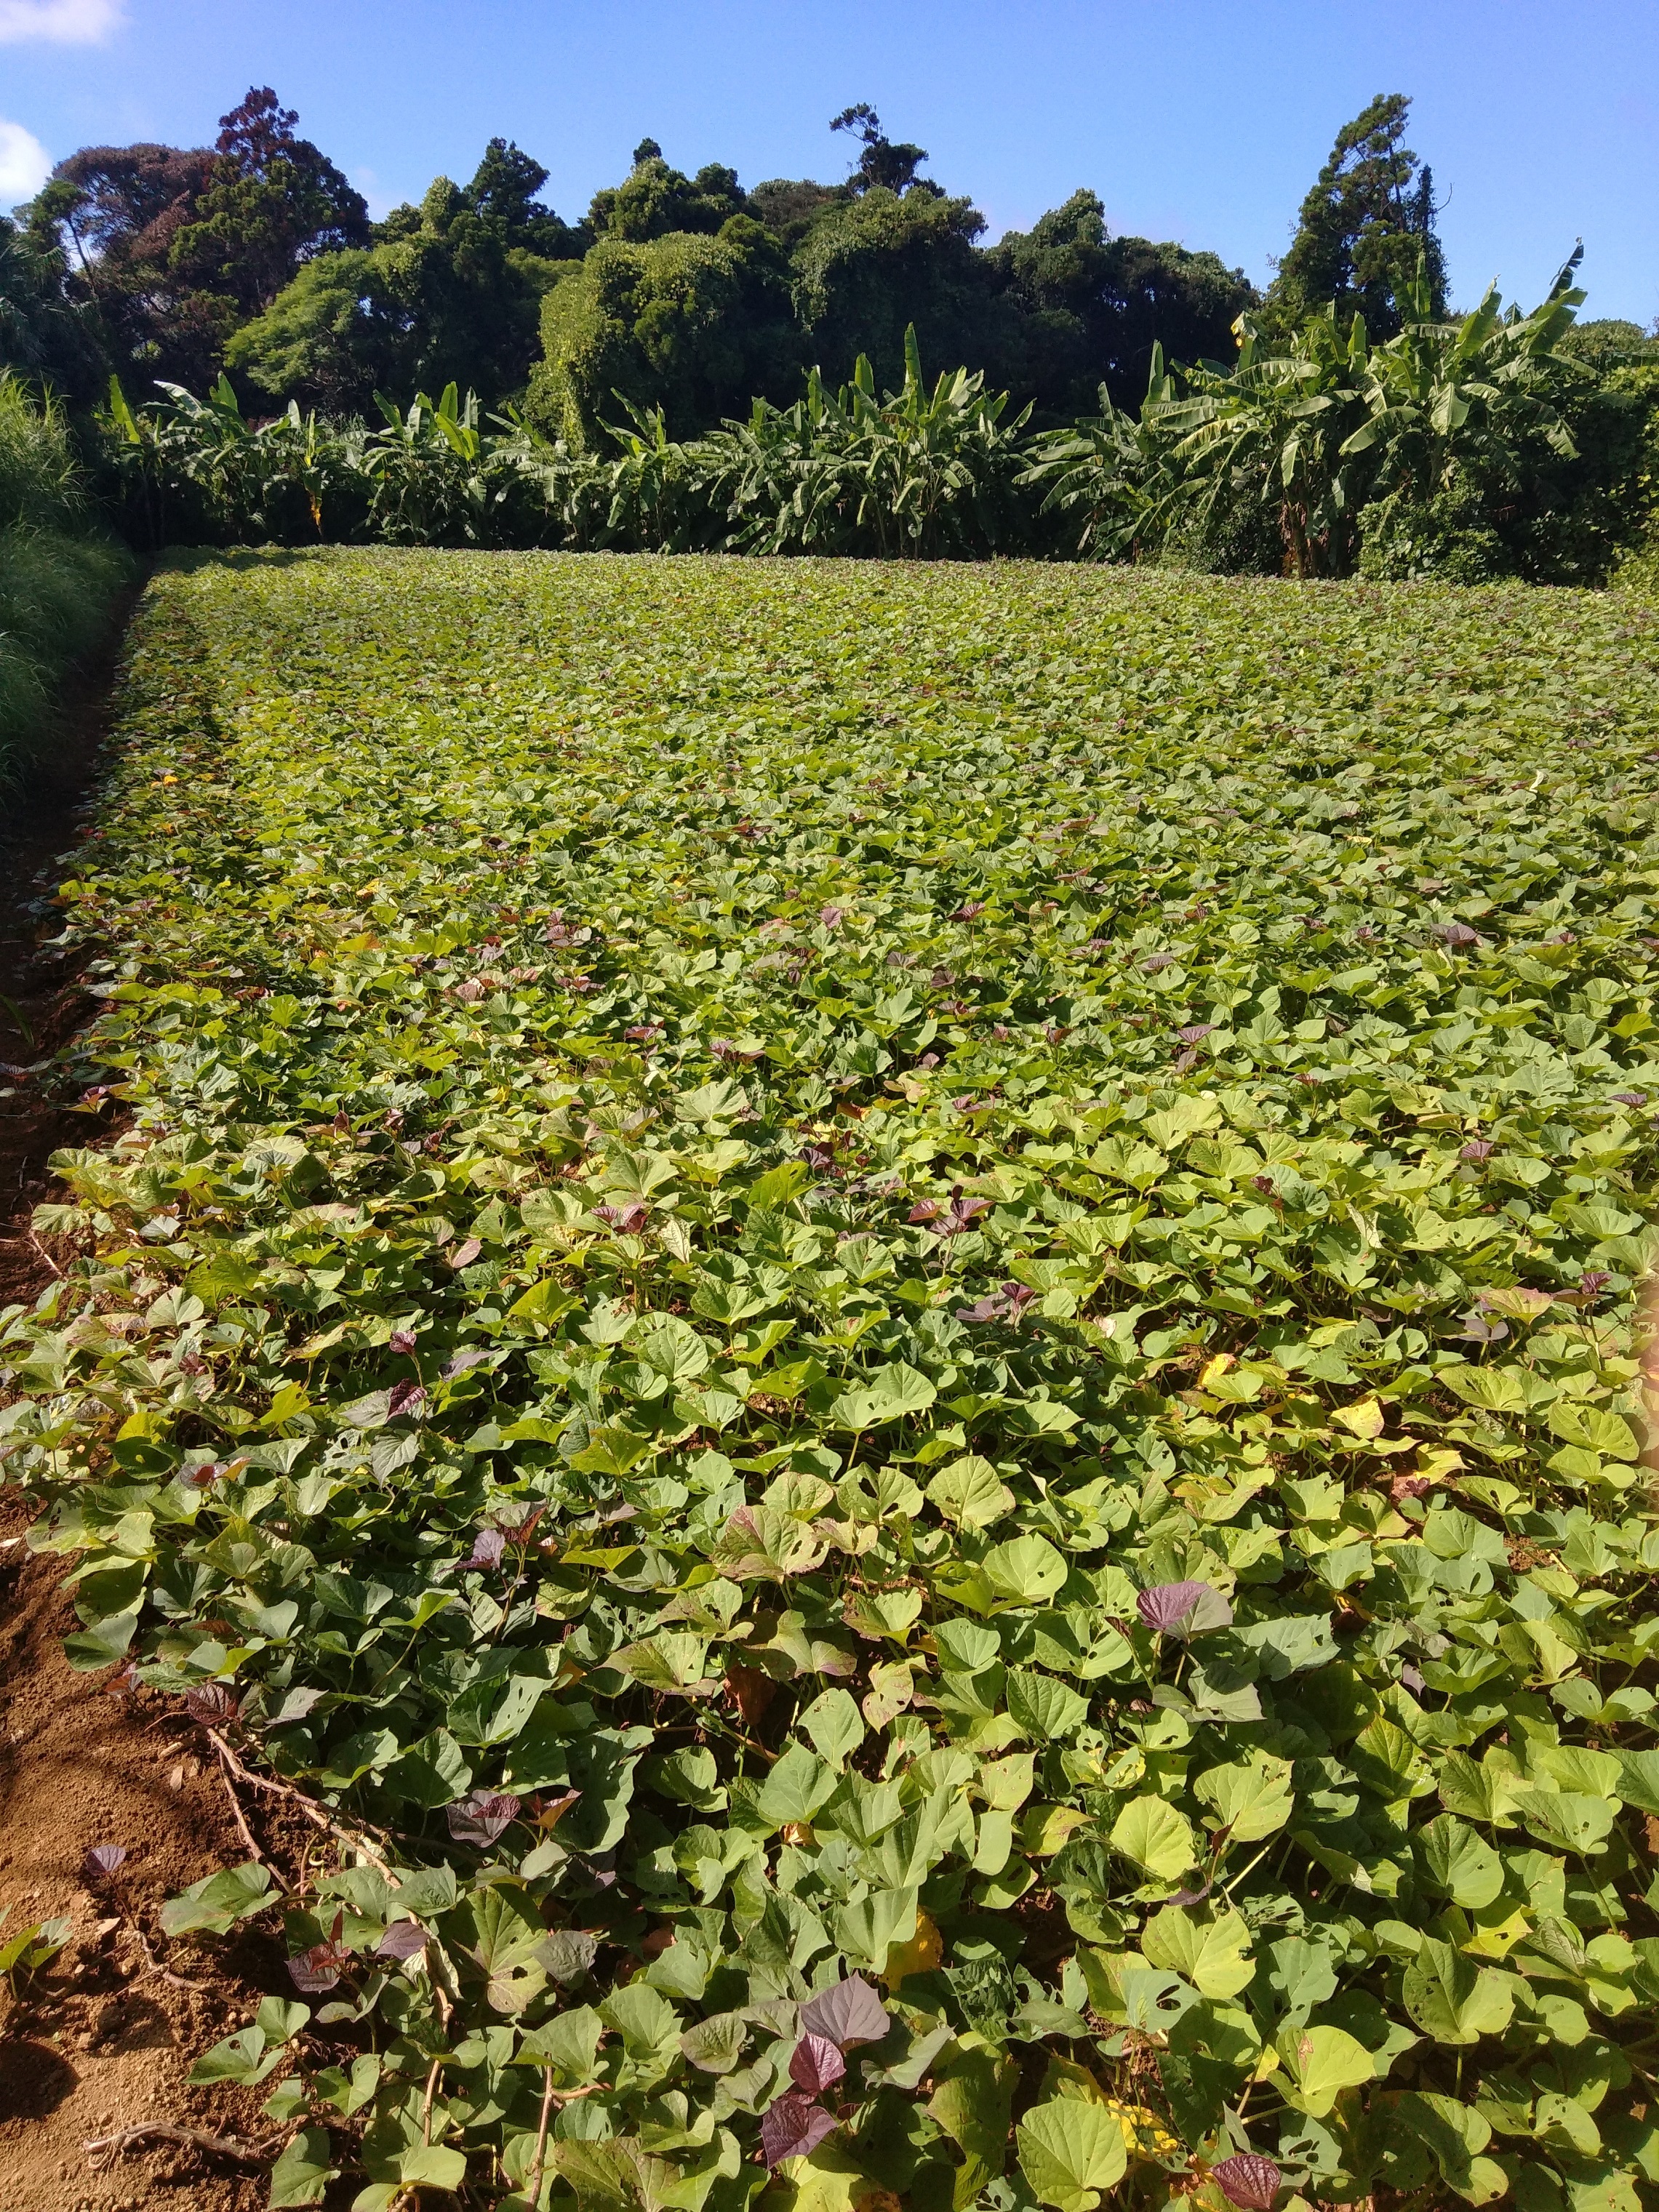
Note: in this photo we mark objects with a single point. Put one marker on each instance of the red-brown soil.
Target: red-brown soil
(102, 2039)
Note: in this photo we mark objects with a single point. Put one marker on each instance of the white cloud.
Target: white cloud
(59, 22)
(25, 164)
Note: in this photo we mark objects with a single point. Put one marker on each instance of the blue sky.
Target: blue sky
(1205, 122)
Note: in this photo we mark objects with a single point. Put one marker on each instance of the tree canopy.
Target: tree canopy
(1363, 229)
(681, 290)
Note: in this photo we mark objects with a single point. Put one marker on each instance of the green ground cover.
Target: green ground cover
(924, 1276)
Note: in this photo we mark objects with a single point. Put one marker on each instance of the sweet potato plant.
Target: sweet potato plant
(884, 1320)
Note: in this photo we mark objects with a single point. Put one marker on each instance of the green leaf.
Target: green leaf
(1024, 1571)
(105, 1643)
(302, 2172)
(1156, 1837)
(434, 2166)
(973, 2103)
(1321, 2063)
(431, 1772)
(1210, 1949)
(969, 1493)
(796, 1787)
(867, 1931)
(890, 1393)
(832, 1721)
(1457, 1864)
(1567, 1819)
(1044, 1707)
(1451, 1999)
(1251, 1798)
(214, 1905)
(1070, 2152)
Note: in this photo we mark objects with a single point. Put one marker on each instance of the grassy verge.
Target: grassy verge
(923, 1278)
(58, 571)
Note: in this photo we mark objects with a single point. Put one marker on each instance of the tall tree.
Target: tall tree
(656, 201)
(175, 248)
(885, 165)
(273, 201)
(1363, 229)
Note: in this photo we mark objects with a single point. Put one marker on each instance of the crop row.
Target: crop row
(885, 1317)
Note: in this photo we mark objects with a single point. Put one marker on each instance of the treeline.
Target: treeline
(697, 365)
(1469, 447)
(688, 294)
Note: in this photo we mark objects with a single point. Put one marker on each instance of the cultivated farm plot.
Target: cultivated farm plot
(887, 1315)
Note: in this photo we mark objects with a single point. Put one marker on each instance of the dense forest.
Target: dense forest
(846, 367)
(691, 293)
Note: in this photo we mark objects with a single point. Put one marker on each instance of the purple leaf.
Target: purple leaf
(831, 916)
(849, 2012)
(988, 1309)
(481, 1818)
(405, 1398)
(1193, 1896)
(794, 2128)
(1457, 935)
(1630, 1098)
(488, 1547)
(1182, 1609)
(213, 1704)
(1248, 2180)
(817, 2064)
(1194, 1030)
(401, 1340)
(465, 1253)
(1478, 1148)
(628, 1218)
(402, 1939)
(1157, 960)
(969, 910)
(317, 1969)
(102, 1860)
(472, 1355)
(1594, 1282)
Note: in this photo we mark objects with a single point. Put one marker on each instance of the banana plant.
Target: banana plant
(1271, 430)
(1101, 473)
(426, 466)
(1479, 389)
(199, 466)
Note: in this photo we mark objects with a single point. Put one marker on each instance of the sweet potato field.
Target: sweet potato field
(886, 1320)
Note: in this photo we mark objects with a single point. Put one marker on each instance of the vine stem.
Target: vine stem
(312, 1812)
(431, 2092)
(1228, 1887)
(548, 2099)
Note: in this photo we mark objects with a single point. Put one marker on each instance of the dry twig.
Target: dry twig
(154, 1965)
(243, 1829)
(352, 1838)
(105, 2150)
(45, 1255)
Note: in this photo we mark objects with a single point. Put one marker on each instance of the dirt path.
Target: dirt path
(102, 2040)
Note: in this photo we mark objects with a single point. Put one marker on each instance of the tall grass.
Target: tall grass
(58, 569)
